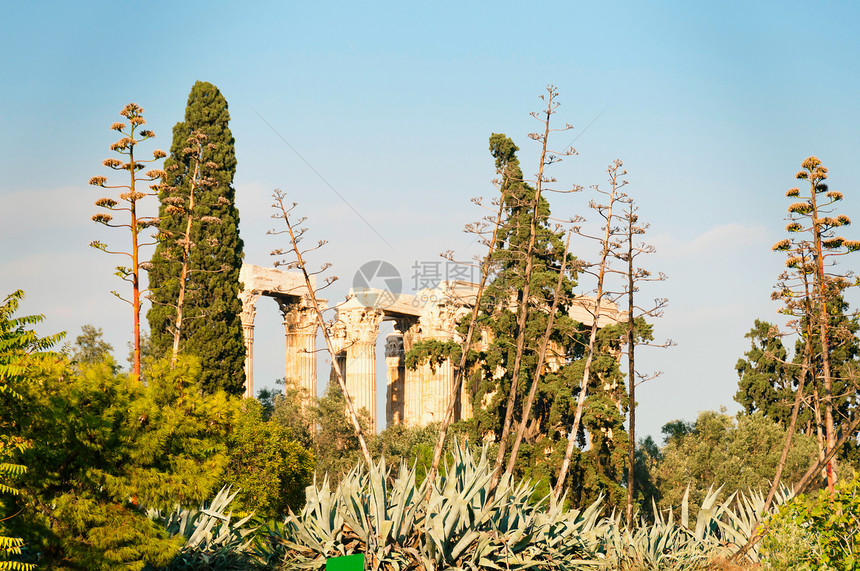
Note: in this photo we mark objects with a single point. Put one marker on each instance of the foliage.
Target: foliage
(739, 455)
(766, 381)
(18, 348)
(90, 346)
(646, 460)
(285, 407)
(412, 446)
(833, 522)
(212, 327)
(335, 443)
(675, 430)
(788, 546)
(268, 470)
(102, 445)
(433, 351)
(336, 446)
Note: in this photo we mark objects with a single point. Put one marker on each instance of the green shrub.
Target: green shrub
(268, 469)
(834, 523)
(788, 545)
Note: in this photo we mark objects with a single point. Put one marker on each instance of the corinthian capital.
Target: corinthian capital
(249, 306)
(299, 317)
(361, 323)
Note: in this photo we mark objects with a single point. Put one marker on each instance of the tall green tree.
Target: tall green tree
(493, 386)
(90, 346)
(211, 325)
(267, 467)
(718, 450)
(766, 381)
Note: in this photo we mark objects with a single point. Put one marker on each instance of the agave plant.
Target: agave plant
(212, 541)
(742, 519)
(663, 544)
(363, 515)
(721, 528)
(460, 526)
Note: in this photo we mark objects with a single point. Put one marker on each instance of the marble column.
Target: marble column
(465, 399)
(337, 334)
(249, 312)
(362, 328)
(395, 365)
(300, 328)
(413, 410)
(439, 322)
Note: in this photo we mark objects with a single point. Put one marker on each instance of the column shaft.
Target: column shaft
(361, 378)
(361, 327)
(300, 329)
(249, 312)
(395, 377)
(248, 334)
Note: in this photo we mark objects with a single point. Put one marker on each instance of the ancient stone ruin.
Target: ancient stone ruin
(414, 397)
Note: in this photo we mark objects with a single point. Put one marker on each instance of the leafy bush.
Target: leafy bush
(268, 469)
(788, 546)
(101, 446)
(739, 453)
(832, 523)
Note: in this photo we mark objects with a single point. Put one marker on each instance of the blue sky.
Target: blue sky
(712, 107)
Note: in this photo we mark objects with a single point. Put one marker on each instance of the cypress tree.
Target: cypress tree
(211, 326)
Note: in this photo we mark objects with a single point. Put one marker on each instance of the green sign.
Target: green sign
(348, 563)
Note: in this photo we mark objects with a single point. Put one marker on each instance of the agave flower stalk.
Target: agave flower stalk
(133, 134)
(813, 242)
(188, 206)
(613, 195)
(295, 232)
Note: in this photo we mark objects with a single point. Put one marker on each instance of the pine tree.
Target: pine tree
(766, 380)
(506, 291)
(211, 327)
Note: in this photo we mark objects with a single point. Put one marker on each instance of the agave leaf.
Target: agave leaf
(685, 508)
